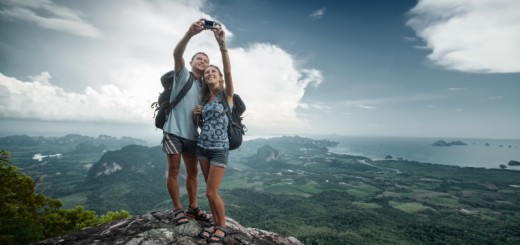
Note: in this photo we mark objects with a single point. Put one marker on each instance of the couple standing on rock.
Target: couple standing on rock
(203, 100)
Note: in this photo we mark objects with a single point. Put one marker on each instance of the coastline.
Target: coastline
(478, 153)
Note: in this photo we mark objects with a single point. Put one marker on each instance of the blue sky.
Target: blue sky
(381, 68)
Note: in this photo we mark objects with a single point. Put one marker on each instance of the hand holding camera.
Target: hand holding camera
(218, 31)
(211, 25)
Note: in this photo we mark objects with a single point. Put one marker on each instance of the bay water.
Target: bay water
(480, 153)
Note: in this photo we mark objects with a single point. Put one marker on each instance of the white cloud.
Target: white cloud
(494, 98)
(457, 89)
(317, 105)
(374, 103)
(410, 39)
(43, 101)
(43, 78)
(266, 77)
(471, 36)
(122, 72)
(318, 14)
(48, 15)
(369, 107)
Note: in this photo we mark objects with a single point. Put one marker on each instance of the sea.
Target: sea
(479, 153)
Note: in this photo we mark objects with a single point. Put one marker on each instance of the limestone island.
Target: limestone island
(444, 143)
(513, 163)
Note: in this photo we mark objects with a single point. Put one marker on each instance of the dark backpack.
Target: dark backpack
(235, 127)
(162, 106)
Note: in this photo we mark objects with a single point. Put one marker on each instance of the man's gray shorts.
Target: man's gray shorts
(173, 144)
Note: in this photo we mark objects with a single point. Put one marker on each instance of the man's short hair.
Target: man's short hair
(193, 57)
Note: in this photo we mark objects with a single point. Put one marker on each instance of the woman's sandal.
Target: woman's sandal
(198, 214)
(207, 231)
(179, 220)
(214, 238)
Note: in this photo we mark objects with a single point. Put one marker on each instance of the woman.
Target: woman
(213, 143)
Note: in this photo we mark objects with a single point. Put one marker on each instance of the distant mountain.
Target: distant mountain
(18, 140)
(266, 153)
(70, 142)
(293, 144)
(266, 157)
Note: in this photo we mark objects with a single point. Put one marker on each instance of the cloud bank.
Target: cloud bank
(134, 51)
(41, 100)
(470, 36)
(46, 14)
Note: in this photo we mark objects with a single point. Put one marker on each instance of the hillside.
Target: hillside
(295, 187)
(132, 178)
(59, 165)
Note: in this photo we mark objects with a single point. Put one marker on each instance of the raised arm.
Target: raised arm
(221, 39)
(178, 59)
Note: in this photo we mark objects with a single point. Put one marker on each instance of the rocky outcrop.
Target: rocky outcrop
(267, 153)
(157, 228)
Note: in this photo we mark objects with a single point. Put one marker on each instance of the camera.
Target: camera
(209, 24)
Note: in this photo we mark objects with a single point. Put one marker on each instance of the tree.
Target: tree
(26, 216)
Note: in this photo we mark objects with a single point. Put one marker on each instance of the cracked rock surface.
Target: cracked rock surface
(158, 228)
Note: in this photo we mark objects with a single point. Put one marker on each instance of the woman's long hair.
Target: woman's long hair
(205, 93)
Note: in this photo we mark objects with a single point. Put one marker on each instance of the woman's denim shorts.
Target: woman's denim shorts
(216, 157)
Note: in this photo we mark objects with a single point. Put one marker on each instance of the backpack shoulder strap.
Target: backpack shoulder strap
(183, 91)
(227, 109)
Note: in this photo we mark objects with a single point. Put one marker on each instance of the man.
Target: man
(180, 134)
